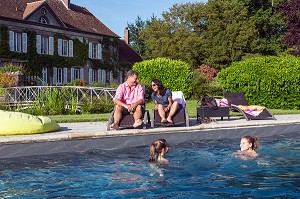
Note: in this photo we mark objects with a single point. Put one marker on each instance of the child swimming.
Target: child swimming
(158, 150)
(248, 145)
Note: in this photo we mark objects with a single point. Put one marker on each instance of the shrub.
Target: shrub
(77, 82)
(270, 81)
(102, 105)
(7, 74)
(175, 75)
(204, 82)
(6, 80)
(100, 84)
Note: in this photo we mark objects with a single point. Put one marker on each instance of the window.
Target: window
(43, 11)
(65, 48)
(57, 76)
(76, 74)
(95, 51)
(92, 76)
(44, 45)
(43, 20)
(18, 41)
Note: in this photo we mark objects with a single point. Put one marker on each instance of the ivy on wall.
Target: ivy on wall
(80, 54)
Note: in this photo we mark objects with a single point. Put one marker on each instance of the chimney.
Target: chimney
(67, 3)
(126, 35)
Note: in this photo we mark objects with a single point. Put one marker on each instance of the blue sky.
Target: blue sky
(115, 14)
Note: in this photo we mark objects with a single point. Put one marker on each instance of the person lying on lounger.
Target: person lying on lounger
(248, 145)
(158, 150)
(129, 98)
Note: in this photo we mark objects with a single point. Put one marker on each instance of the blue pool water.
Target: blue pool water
(198, 169)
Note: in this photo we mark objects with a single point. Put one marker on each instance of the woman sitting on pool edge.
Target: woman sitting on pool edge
(248, 145)
(158, 150)
(162, 98)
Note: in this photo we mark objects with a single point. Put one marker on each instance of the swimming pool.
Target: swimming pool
(198, 169)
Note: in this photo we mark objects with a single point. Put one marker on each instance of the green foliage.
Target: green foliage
(204, 83)
(4, 40)
(77, 82)
(64, 101)
(216, 33)
(270, 81)
(8, 68)
(102, 105)
(136, 40)
(229, 30)
(175, 75)
(179, 35)
(268, 25)
(80, 54)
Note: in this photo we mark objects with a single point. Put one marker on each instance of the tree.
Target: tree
(136, 40)
(268, 24)
(229, 32)
(177, 35)
(291, 11)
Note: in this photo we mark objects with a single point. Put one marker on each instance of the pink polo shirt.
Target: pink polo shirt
(129, 95)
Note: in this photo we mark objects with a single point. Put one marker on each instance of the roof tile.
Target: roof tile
(77, 17)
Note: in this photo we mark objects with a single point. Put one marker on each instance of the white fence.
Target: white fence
(29, 94)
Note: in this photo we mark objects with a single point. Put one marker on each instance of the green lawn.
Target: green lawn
(191, 106)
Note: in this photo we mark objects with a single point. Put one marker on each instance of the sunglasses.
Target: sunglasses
(154, 85)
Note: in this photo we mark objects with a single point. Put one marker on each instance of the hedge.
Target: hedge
(270, 81)
(175, 75)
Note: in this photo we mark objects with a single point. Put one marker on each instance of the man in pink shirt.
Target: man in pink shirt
(129, 98)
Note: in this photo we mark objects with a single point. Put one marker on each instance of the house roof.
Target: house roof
(75, 18)
(127, 54)
(31, 7)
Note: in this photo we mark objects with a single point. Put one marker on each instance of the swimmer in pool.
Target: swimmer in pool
(158, 150)
(248, 145)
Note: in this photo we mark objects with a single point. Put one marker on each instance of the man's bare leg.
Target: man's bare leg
(137, 115)
(117, 117)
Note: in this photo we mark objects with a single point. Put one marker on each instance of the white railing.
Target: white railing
(29, 94)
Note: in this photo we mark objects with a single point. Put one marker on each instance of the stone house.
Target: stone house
(59, 42)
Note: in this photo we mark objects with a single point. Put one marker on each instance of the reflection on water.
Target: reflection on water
(196, 169)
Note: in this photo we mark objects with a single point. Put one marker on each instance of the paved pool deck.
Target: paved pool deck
(85, 130)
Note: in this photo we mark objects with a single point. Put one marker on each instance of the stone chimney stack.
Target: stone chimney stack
(67, 3)
(126, 35)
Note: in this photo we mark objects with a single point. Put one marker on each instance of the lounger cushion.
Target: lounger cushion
(16, 123)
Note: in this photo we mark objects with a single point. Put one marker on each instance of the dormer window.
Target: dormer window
(43, 11)
(43, 20)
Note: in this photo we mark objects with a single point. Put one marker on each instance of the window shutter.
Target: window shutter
(11, 41)
(99, 51)
(81, 73)
(51, 46)
(24, 42)
(45, 75)
(99, 75)
(110, 77)
(90, 49)
(103, 76)
(70, 48)
(38, 44)
(59, 47)
(65, 75)
(121, 77)
(90, 76)
(72, 74)
(54, 75)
